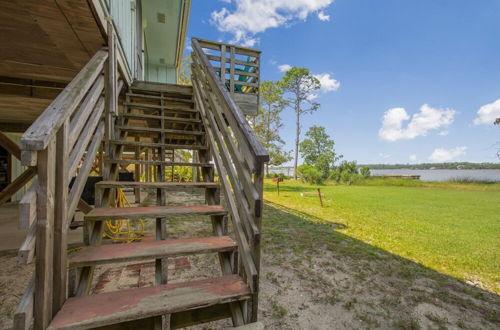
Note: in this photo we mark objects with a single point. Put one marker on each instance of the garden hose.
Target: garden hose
(122, 229)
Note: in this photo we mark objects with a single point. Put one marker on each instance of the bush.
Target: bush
(310, 174)
(277, 175)
(348, 177)
(365, 172)
(334, 176)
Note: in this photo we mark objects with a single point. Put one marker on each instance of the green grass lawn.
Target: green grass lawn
(452, 228)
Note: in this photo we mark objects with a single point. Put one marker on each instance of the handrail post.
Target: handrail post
(60, 277)
(110, 90)
(258, 181)
(44, 235)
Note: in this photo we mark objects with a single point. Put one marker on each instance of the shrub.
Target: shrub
(348, 177)
(365, 172)
(334, 176)
(310, 174)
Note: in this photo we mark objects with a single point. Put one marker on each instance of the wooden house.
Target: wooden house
(91, 88)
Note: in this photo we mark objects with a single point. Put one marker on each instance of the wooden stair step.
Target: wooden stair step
(146, 106)
(158, 97)
(158, 162)
(157, 117)
(159, 145)
(156, 185)
(249, 326)
(107, 213)
(115, 253)
(159, 130)
(103, 309)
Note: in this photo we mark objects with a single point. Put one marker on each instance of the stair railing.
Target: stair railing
(239, 158)
(62, 144)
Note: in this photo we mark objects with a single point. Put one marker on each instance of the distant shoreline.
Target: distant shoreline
(436, 166)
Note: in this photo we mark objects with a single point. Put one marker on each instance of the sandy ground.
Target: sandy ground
(311, 278)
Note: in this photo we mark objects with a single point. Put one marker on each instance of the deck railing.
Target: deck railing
(239, 70)
(62, 145)
(239, 158)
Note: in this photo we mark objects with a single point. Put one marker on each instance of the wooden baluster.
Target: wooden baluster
(44, 235)
(231, 72)
(60, 276)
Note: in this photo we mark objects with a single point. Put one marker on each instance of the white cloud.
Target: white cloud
(420, 123)
(250, 17)
(488, 113)
(446, 155)
(322, 16)
(284, 67)
(413, 158)
(328, 84)
(384, 156)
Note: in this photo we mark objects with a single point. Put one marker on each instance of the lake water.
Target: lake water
(425, 175)
(444, 175)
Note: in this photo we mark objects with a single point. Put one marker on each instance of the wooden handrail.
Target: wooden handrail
(238, 154)
(45, 127)
(254, 146)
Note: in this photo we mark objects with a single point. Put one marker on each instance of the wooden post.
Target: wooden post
(258, 180)
(110, 89)
(44, 236)
(137, 171)
(231, 72)
(60, 276)
(319, 195)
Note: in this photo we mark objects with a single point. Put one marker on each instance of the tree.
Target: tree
(300, 85)
(318, 150)
(268, 123)
(184, 70)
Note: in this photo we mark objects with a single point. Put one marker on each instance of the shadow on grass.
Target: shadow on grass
(293, 238)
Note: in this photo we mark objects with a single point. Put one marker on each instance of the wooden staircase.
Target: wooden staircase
(143, 127)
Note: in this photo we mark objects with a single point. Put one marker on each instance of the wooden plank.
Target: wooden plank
(60, 274)
(157, 145)
(81, 146)
(45, 127)
(159, 130)
(147, 106)
(116, 253)
(193, 317)
(157, 185)
(158, 97)
(107, 213)
(116, 307)
(162, 87)
(239, 62)
(215, 45)
(27, 207)
(86, 108)
(26, 252)
(77, 189)
(44, 236)
(146, 116)
(10, 146)
(157, 162)
(17, 184)
(23, 316)
(84, 207)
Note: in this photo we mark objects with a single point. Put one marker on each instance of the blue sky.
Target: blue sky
(404, 80)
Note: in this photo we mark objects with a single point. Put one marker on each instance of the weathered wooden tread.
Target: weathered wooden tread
(158, 162)
(158, 117)
(160, 130)
(147, 106)
(153, 185)
(107, 213)
(159, 145)
(249, 326)
(158, 97)
(114, 253)
(92, 311)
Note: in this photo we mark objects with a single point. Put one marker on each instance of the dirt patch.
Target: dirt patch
(312, 277)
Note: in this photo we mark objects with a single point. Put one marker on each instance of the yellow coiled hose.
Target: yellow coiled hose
(122, 230)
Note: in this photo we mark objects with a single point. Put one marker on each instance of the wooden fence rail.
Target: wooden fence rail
(239, 156)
